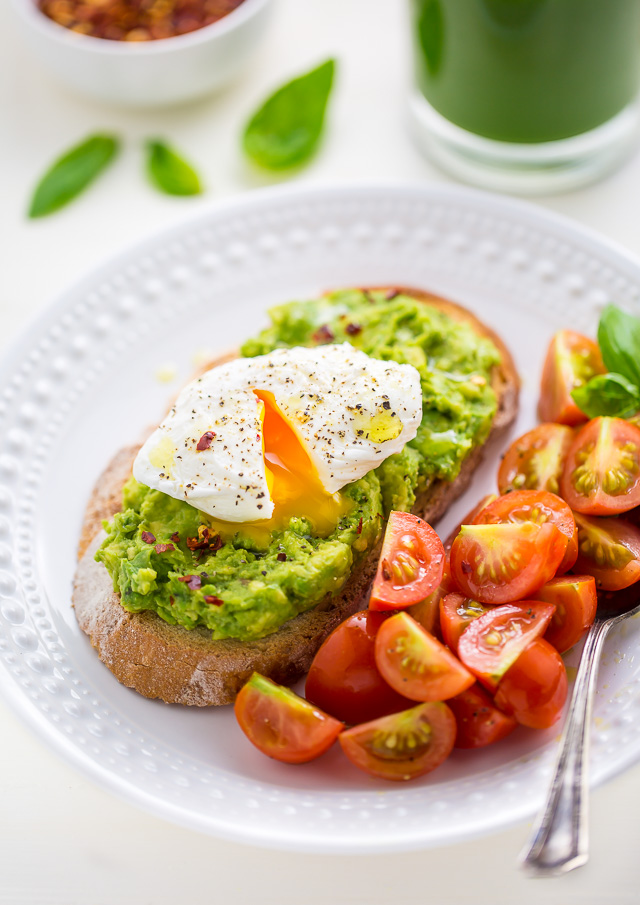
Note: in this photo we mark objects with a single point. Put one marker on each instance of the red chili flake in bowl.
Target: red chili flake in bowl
(136, 20)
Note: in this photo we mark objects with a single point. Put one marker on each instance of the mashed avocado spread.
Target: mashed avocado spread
(163, 555)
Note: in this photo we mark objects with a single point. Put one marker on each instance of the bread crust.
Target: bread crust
(186, 667)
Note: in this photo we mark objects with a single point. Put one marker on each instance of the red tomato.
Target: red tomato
(469, 519)
(490, 644)
(427, 612)
(572, 360)
(602, 472)
(535, 688)
(281, 724)
(506, 562)
(480, 723)
(575, 600)
(609, 549)
(411, 563)
(535, 460)
(404, 745)
(456, 612)
(538, 506)
(344, 679)
(415, 663)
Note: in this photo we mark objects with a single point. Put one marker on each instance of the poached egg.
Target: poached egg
(259, 440)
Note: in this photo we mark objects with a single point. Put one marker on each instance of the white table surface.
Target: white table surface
(62, 840)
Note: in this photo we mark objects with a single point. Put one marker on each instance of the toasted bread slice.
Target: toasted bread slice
(186, 667)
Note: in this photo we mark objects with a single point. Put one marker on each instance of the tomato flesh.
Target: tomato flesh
(608, 549)
(575, 599)
(411, 563)
(480, 722)
(456, 612)
(500, 563)
(469, 519)
(534, 690)
(427, 612)
(490, 644)
(343, 679)
(537, 506)
(404, 745)
(281, 724)
(572, 360)
(415, 664)
(535, 460)
(602, 472)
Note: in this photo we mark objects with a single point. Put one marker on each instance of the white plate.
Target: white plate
(82, 382)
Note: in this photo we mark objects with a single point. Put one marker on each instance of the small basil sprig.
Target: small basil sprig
(616, 394)
(287, 128)
(72, 173)
(169, 172)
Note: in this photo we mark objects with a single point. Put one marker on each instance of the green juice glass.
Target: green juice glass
(528, 96)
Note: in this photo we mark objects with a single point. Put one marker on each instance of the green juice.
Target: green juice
(527, 70)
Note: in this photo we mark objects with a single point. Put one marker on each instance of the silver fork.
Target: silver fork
(559, 840)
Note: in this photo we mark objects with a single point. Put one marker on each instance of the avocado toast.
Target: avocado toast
(469, 389)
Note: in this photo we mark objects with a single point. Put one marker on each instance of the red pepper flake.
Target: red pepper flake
(172, 601)
(175, 537)
(353, 329)
(359, 528)
(164, 548)
(148, 537)
(214, 601)
(386, 572)
(204, 541)
(391, 294)
(323, 334)
(281, 557)
(192, 581)
(466, 568)
(205, 440)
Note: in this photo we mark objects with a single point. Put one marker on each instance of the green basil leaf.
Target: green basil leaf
(608, 394)
(169, 172)
(286, 130)
(619, 341)
(72, 173)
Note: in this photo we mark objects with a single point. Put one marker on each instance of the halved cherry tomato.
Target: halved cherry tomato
(538, 506)
(343, 679)
(608, 549)
(469, 519)
(281, 724)
(415, 663)
(602, 472)
(480, 723)
(535, 460)
(506, 562)
(572, 360)
(456, 612)
(491, 644)
(427, 612)
(575, 600)
(404, 745)
(534, 690)
(411, 563)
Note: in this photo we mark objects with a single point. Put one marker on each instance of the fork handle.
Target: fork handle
(559, 840)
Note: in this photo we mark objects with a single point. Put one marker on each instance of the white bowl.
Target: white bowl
(152, 73)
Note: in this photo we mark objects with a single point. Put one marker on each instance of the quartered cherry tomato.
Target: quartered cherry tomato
(538, 506)
(281, 724)
(602, 471)
(411, 563)
(490, 645)
(534, 690)
(404, 745)
(469, 519)
(575, 599)
(480, 723)
(427, 612)
(415, 664)
(456, 612)
(608, 549)
(506, 562)
(343, 679)
(535, 460)
(572, 360)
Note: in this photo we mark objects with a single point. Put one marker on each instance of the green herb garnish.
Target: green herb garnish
(608, 394)
(169, 172)
(287, 128)
(72, 173)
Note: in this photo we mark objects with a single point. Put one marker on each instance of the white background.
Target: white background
(61, 839)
